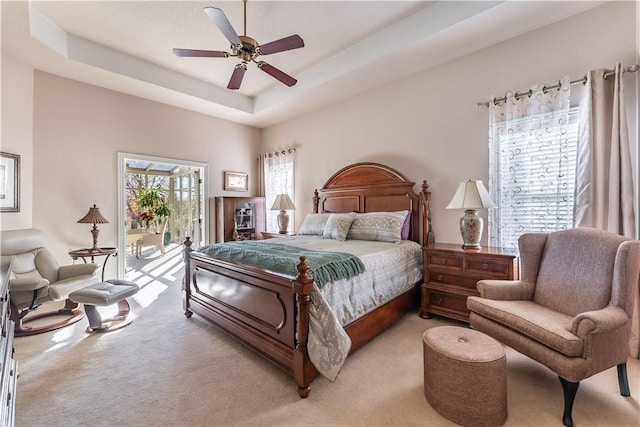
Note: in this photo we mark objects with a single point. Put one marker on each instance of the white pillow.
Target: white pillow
(380, 226)
(338, 225)
(314, 224)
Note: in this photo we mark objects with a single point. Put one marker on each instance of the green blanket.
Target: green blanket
(324, 266)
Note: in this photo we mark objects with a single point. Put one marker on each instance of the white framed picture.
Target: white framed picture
(236, 181)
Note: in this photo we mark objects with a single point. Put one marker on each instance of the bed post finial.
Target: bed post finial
(316, 200)
(428, 237)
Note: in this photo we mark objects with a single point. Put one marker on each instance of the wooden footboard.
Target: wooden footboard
(270, 312)
(266, 311)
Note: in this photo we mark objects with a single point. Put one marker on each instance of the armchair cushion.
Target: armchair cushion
(62, 288)
(537, 322)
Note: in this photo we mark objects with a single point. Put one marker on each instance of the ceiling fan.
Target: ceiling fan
(245, 48)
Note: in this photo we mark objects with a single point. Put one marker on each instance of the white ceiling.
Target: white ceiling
(350, 46)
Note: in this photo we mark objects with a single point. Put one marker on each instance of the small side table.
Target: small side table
(269, 235)
(92, 253)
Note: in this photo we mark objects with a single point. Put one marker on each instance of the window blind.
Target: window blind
(532, 196)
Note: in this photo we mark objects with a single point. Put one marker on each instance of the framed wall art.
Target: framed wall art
(236, 181)
(9, 182)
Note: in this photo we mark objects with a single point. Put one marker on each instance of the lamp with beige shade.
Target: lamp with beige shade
(283, 203)
(471, 196)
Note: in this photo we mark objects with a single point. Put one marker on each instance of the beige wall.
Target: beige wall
(79, 130)
(17, 135)
(428, 127)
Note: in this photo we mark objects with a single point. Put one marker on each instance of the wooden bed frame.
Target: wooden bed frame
(270, 312)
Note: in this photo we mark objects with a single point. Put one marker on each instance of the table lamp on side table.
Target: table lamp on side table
(471, 196)
(94, 217)
(282, 204)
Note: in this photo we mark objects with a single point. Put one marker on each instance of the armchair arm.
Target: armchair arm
(27, 283)
(506, 290)
(68, 271)
(599, 321)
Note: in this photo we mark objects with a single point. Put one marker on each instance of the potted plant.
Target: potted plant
(152, 202)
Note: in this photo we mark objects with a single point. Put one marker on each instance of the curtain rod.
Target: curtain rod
(277, 153)
(631, 69)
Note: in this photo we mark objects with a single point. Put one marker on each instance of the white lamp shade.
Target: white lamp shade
(282, 203)
(471, 195)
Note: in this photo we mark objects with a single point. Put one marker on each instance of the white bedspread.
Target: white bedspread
(390, 270)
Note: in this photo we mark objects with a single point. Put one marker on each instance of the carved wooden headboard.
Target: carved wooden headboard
(374, 187)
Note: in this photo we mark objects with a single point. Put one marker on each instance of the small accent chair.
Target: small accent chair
(572, 308)
(37, 278)
(156, 239)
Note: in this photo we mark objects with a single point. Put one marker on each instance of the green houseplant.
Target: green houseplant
(151, 201)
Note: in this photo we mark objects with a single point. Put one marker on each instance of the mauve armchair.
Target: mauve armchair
(571, 311)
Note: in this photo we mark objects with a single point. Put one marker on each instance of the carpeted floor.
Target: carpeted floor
(167, 370)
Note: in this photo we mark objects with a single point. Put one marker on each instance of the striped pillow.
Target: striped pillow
(380, 226)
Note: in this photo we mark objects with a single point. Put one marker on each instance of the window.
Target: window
(278, 179)
(533, 175)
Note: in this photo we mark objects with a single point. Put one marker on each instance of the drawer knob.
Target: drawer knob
(485, 266)
(439, 301)
(444, 262)
(439, 278)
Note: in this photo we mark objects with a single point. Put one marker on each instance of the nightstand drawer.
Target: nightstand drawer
(446, 304)
(444, 260)
(497, 268)
(445, 300)
(439, 277)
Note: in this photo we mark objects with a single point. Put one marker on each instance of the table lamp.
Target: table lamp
(282, 204)
(471, 196)
(94, 217)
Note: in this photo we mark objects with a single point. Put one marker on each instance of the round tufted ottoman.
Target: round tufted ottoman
(465, 377)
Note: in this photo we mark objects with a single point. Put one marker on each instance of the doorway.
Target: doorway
(148, 230)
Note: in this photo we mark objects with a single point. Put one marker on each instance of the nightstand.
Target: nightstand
(271, 235)
(451, 274)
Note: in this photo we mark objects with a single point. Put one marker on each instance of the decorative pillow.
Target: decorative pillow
(338, 225)
(380, 226)
(314, 224)
(404, 234)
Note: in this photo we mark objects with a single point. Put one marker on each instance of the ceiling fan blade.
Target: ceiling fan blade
(277, 74)
(287, 43)
(236, 77)
(200, 53)
(220, 19)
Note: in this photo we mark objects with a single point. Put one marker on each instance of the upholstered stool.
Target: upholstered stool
(465, 377)
(103, 294)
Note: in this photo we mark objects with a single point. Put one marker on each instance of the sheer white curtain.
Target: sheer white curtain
(531, 164)
(278, 177)
(604, 196)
